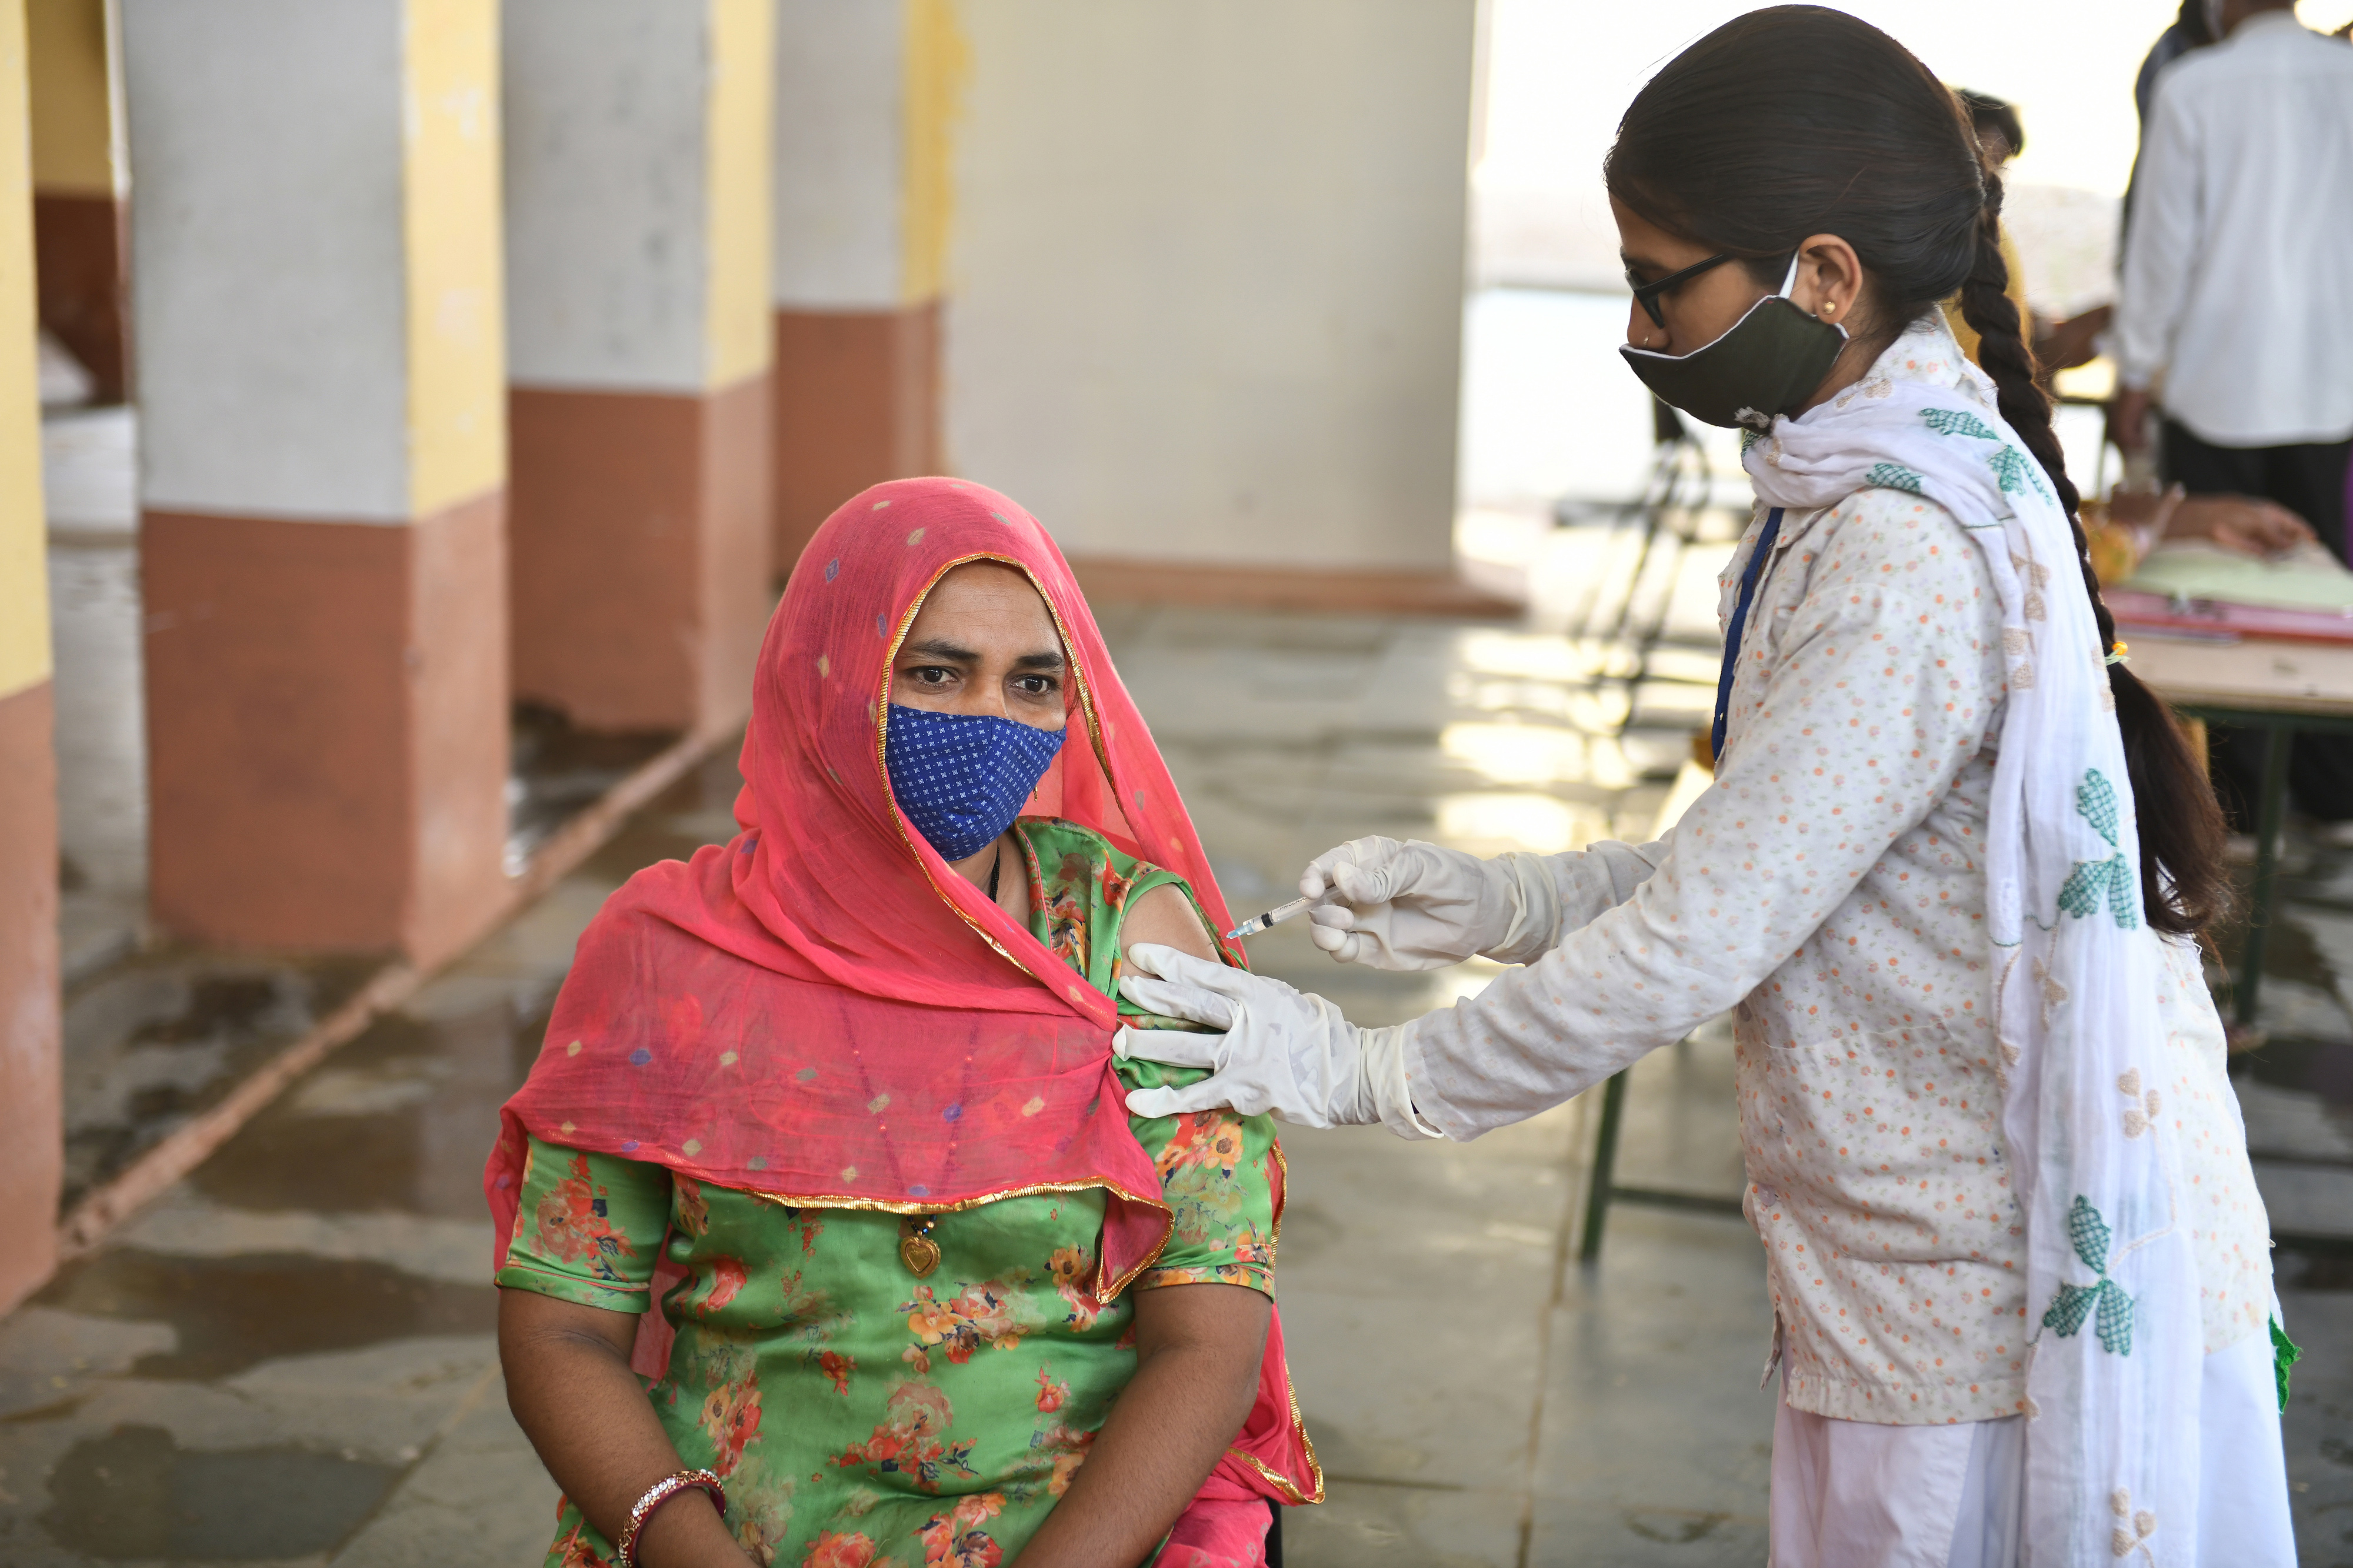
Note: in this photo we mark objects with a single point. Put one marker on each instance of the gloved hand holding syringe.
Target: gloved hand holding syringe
(1417, 906)
(1367, 871)
(1271, 1047)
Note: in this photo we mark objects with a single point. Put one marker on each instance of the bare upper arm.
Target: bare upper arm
(528, 1320)
(1164, 915)
(1228, 1322)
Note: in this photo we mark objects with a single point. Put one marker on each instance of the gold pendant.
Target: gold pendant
(917, 1250)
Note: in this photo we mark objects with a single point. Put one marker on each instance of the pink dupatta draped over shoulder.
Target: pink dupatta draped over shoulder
(821, 1012)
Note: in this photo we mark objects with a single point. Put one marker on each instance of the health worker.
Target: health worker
(1949, 880)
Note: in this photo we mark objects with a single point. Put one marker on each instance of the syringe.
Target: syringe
(1274, 916)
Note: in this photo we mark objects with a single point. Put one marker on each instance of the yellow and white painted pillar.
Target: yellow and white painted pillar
(78, 186)
(638, 146)
(32, 1154)
(867, 99)
(317, 317)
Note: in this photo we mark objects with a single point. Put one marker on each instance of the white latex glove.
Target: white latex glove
(1284, 1052)
(1418, 906)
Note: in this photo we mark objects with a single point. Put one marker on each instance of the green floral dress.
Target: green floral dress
(864, 1417)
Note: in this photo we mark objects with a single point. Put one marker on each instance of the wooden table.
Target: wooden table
(2259, 683)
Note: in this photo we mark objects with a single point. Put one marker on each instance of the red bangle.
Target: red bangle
(661, 1492)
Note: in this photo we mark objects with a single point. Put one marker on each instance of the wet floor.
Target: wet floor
(136, 1493)
(288, 1358)
(154, 1038)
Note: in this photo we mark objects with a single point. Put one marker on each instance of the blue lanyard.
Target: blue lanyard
(1756, 559)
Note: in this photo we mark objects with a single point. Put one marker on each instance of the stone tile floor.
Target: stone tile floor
(288, 1358)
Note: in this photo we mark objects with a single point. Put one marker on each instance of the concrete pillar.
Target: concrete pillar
(78, 212)
(317, 311)
(636, 197)
(32, 1153)
(1206, 275)
(866, 98)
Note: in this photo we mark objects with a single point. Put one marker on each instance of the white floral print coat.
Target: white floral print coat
(1827, 891)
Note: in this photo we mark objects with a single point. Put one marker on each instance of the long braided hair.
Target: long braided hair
(1798, 119)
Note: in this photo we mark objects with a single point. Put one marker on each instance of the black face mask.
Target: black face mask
(1768, 364)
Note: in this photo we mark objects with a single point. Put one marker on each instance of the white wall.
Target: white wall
(607, 131)
(840, 88)
(1206, 279)
(268, 296)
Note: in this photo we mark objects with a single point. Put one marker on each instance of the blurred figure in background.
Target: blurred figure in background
(2235, 317)
(2122, 528)
(2058, 345)
(2190, 31)
(2237, 298)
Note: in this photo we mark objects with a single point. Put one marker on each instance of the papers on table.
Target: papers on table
(2194, 589)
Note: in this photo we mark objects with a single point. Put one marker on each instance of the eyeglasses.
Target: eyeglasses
(1647, 294)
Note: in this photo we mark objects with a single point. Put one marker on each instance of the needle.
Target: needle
(1274, 916)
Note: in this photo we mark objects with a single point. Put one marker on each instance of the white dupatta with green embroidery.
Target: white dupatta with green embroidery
(2112, 1286)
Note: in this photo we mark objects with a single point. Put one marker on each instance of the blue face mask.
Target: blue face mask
(961, 777)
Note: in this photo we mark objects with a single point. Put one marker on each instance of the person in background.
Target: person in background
(2234, 322)
(2058, 345)
(2126, 527)
(2188, 32)
(2237, 298)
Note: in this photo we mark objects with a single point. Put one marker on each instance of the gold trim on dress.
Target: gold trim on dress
(928, 1207)
(1282, 1201)
(1283, 1483)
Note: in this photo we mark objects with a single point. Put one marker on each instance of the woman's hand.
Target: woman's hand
(1285, 1052)
(1198, 1349)
(2239, 523)
(2064, 345)
(571, 1389)
(1420, 906)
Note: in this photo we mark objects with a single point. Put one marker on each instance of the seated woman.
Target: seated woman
(828, 1129)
